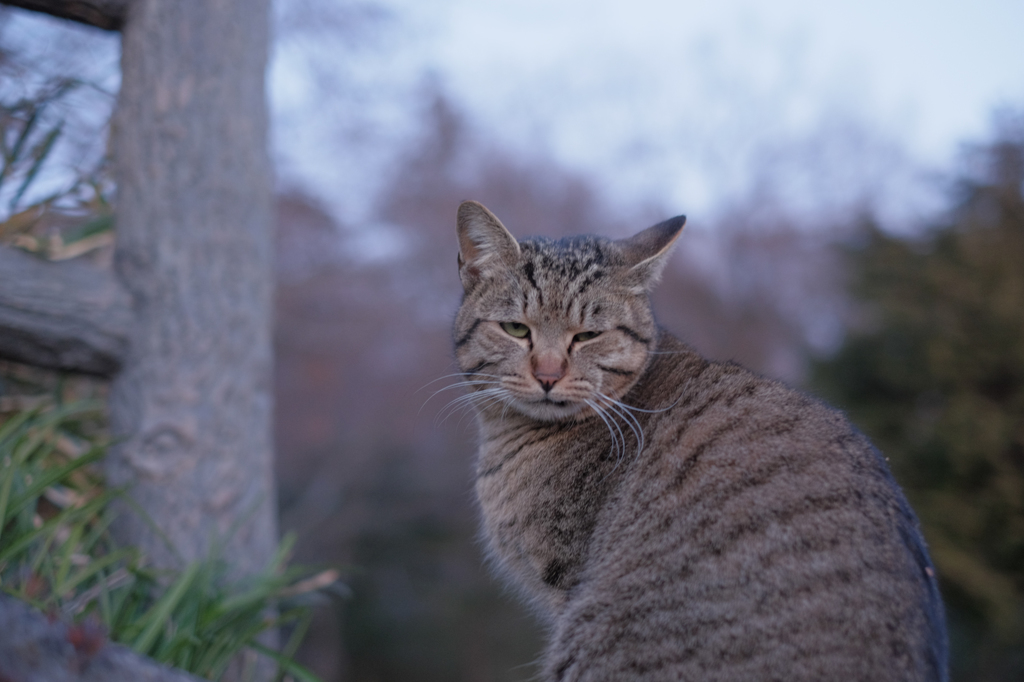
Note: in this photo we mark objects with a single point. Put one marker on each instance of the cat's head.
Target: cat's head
(546, 326)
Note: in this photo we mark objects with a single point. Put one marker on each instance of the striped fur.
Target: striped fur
(673, 518)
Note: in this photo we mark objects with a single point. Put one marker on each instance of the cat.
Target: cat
(669, 517)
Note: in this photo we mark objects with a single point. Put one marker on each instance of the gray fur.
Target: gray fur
(669, 517)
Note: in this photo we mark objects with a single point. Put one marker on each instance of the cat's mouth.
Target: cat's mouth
(548, 408)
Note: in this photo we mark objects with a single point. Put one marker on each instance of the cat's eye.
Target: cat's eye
(516, 329)
(584, 336)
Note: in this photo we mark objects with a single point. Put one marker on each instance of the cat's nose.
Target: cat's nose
(548, 369)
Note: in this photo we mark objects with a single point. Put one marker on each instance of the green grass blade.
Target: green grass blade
(91, 570)
(291, 667)
(161, 611)
(10, 553)
(11, 156)
(64, 558)
(13, 424)
(8, 474)
(40, 153)
(51, 476)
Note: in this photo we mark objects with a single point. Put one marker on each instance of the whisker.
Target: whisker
(617, 413)
(457, 374)
(620, 410)
(460, 409)
(618, 429)
(452, 405)
(637, 409)
(486, 402)
(600, 412)
(619, 452)
(509, 402)
(633, 424)
(458, 384)
(465, 401)
(462, 384)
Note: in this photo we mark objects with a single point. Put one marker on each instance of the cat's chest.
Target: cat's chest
(540, 490)
(526, 464)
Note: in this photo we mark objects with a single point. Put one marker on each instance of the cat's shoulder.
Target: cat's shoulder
(679, 376)
(696, 400)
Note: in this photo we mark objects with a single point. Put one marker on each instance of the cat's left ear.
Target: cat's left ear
(647, 251)
(484, 243)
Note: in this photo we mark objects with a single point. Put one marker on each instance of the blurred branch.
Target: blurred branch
(68, 315)
(105, 14)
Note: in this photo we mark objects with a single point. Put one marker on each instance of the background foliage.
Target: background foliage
(55, 553)
(935, 375)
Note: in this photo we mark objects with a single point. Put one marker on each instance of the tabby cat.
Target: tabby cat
(673, 518)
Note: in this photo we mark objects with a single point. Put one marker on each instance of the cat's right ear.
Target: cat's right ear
(647, 252)
(484, 243)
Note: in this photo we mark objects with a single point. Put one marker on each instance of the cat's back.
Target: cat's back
(756, 536)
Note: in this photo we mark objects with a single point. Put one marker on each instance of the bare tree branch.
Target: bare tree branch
(68, 315)
(105, 14)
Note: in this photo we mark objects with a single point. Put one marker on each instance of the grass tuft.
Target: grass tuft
(56, 553)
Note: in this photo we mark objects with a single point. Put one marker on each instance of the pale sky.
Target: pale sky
(688, 104)
(929, 65)
(679, 100)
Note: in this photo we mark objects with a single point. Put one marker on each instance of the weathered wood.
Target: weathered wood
(105, 14)
(192, 405)
(68, 316)
(36, 649)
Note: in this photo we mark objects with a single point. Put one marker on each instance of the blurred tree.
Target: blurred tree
(935, 374)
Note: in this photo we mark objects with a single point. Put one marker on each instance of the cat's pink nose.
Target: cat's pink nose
(548, 369)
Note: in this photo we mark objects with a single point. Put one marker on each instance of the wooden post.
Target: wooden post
(192, 403)
(185, 326)
(186, 330)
